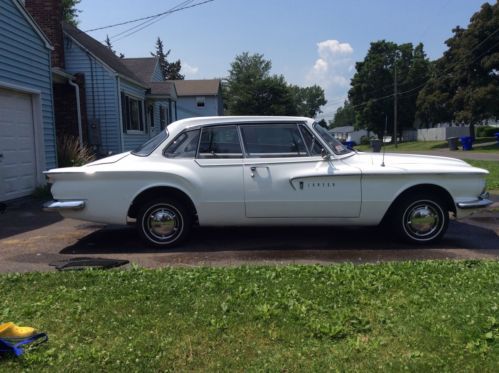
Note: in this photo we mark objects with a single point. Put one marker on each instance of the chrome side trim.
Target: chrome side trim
(63, 205)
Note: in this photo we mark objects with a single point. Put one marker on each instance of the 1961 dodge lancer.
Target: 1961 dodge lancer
(222, 171)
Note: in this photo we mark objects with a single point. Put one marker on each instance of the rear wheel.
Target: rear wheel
(421, 219)
(164, 223)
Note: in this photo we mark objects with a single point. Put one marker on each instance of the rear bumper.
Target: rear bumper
(73, 205)
(481, 202)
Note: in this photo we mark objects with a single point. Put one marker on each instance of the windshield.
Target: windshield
(337, 147)
(148, 147)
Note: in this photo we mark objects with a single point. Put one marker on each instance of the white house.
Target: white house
(348, 133)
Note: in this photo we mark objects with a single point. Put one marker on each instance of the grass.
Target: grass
(435, 145)
(493, 168)
(416, 316)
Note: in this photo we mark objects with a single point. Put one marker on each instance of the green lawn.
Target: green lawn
(493, 168)
(416, 316)
(435, 145)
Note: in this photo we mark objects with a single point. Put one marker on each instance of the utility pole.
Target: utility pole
(395, 101)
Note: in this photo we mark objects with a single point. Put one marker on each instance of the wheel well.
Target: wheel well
(431, 189)
(158, 192)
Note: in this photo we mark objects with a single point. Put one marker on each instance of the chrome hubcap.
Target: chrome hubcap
(422, 220)
(163, 223)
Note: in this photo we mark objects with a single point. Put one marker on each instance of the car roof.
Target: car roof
(211, 121)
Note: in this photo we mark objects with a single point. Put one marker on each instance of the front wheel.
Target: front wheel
(421, 219)
(164, 223)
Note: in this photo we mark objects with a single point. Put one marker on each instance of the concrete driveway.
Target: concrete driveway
(31, 239)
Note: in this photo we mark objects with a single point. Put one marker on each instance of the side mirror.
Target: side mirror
(325, 155)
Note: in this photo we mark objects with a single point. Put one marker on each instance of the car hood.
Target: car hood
(407, 163)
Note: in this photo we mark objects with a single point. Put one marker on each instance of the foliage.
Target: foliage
(486, 131)
(70, 154)
(308, 100)
(493, 168)
(344, 116)
(109, 46)
(464, 83)
(401, 316)
(69, 11)
(250, 89)
(170, 70)
(373, 85)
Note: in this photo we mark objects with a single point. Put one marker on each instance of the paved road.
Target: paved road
(31, 239)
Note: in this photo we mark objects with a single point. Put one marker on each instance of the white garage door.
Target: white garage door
(17, 145)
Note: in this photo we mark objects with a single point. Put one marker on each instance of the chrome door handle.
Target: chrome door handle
(253, 169)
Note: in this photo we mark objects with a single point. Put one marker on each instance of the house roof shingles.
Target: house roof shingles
(142, 67)
(162, 88)
(204, 87)
(100, 51)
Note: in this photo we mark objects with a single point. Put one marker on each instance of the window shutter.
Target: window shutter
(141, 117)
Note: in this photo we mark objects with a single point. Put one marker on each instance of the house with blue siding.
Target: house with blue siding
(124, 109)
(199, 98)
(27, 132)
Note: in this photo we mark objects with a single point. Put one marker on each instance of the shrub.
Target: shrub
(486, 131)
(70, 154)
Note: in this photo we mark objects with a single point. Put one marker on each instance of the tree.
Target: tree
(250, 89)
(69, 11)
(109, 46)
(372, 89)
(344, 116)
(170, 70)
(308, 100)
(464, 84)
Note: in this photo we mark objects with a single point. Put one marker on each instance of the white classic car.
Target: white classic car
(223, 171)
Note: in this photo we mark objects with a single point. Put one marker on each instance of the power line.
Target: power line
(151, 20)
(169, 11)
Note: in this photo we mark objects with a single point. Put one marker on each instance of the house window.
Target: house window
(132, 113)
(200, 101)
(162, 117)
(150, 112)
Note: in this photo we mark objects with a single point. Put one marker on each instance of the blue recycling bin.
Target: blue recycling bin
(467, 142)
(350, 144)
(497, 136)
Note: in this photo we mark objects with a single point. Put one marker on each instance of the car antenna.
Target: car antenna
(383, 141)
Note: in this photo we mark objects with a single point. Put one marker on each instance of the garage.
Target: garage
(18, 166)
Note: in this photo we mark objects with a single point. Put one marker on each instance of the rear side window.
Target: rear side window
(148, 147)
(273, 140)
(220, 142)
(184, 146)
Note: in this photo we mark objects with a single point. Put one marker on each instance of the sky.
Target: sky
(309, 42)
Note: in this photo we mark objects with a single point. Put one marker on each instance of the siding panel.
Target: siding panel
(25, 61)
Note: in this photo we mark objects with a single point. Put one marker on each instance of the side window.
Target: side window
(220, 142)
(313, 146)
(273, 140)
(184, 146)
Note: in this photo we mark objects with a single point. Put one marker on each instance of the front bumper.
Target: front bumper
(481, 202)
(73, 205)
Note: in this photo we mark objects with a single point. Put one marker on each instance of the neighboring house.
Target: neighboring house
(27, 133)
(348, 133)
(123, 110)
(199, 98)
(161, 103)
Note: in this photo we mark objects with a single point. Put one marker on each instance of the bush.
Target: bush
(365, 140)
(486, 131)
(70, 154)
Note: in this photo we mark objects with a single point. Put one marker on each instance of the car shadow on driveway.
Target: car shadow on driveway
(119, 240)
(24, 215)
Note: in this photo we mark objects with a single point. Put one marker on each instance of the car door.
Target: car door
(286, 178)
(219, 160)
